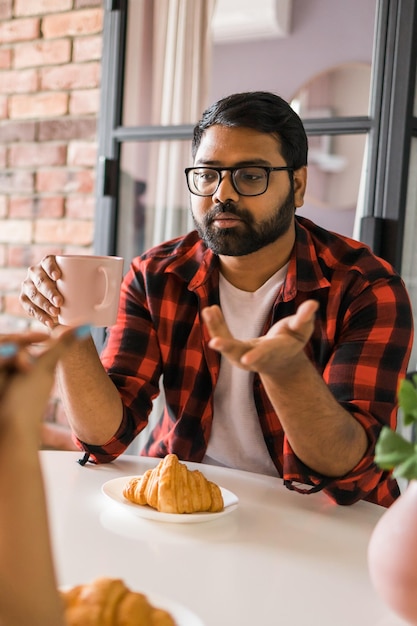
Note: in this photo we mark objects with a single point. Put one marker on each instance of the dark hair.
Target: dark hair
(262, 111)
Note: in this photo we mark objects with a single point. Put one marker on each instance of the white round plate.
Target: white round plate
(113, 489)
(179, 613)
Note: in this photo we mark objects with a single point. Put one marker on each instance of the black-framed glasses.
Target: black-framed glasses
(249, 180)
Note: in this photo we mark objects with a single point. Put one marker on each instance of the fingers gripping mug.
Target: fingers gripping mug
(90, 286)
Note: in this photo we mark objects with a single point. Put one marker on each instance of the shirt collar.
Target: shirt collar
(304, 271)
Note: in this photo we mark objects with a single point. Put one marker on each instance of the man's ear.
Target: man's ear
(300, 182)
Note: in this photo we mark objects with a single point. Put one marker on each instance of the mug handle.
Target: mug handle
(108, 297)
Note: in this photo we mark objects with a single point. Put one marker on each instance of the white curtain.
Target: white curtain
(180, 75)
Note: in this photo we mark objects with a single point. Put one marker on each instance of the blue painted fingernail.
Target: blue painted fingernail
(82, 332)
(8, 349)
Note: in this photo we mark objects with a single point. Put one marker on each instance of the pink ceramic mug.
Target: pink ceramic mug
(90, 286)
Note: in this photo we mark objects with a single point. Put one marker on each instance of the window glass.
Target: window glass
(321, 35)
(409, 257)
(333, 181)
(318, 35)
(137, 98)
(154, 199)
(153, 195)
(415, 98)
(340, 91)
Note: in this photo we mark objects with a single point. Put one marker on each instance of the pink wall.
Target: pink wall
(323, 33)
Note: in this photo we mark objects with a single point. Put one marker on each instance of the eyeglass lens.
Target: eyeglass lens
(248, 181)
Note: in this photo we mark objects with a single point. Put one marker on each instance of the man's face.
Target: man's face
(236, 225)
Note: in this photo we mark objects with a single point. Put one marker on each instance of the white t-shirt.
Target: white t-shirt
(236, 438)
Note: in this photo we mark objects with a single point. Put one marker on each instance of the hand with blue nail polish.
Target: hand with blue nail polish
(27, 373)
(8, 350)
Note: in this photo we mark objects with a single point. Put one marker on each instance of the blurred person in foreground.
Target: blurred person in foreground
(279, 344)
(28, 591)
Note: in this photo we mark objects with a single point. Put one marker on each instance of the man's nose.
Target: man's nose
(225, 191)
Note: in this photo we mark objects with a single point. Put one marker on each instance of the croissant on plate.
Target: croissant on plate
(172, 488)
(108, 602)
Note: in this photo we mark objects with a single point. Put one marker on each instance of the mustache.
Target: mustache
(227, 207)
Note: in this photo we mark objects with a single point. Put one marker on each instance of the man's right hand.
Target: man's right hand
(39, 295)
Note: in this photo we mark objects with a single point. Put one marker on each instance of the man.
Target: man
(279, 344)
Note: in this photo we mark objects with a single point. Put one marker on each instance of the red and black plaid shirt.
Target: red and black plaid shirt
(361, 345)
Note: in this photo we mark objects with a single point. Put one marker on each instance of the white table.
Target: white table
(280, 558)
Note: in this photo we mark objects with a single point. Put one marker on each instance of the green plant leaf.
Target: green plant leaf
(408, 468)
(392, 449)
(407, 400)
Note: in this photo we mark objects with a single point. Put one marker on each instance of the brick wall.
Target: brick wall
(50, 53)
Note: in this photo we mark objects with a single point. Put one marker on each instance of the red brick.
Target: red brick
(15, 230)
(38, 105)
(84, 101)
(3, 206)
(5, 58)
(37, 154)
(5, 9)
(64, 231)
(19, 30)
(65, 181)
(73, 23)
(25, 256)
(80, 4)
(49, 206)
(3, 251)
(87, 48)
(11, 304)
(80, 207)
(30, 206)
(11, 278)
(41, 53)
(18, 256)
(18, 81)
(72, 76)
(21, 206)
(17, 131)
(83, 153)
(16, 182)
(67, 129)
(40, 7)
(50, 181)
(79, 249)
(3, 107)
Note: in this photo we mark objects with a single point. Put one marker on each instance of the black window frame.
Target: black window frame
(390, 127)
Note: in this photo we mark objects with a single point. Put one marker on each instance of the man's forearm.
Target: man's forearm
(91, 401)
(322, 434)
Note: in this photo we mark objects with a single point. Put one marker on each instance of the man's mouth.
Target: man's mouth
(226, 220)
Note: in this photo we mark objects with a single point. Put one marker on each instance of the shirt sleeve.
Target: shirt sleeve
(368, 358)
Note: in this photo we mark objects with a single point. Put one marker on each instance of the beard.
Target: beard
(249, 236)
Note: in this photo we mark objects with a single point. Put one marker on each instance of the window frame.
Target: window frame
(389, 127)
